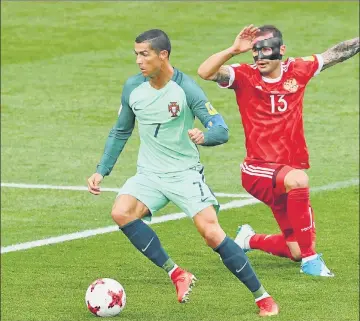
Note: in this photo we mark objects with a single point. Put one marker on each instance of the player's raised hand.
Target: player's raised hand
(196, 135)
(244, 40)
(94, 183)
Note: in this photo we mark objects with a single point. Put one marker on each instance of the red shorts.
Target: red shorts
(265, 182)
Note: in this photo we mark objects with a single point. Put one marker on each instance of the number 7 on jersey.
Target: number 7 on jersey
(157, 130)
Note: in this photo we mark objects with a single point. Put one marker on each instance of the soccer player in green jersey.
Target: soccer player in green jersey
(165, 102)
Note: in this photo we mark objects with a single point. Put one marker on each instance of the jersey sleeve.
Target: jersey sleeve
(118, 136)
(308, 67)
(201, 107)
(199, 103)
(237, 74)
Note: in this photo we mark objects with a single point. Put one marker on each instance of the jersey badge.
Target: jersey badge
(174, 108)
(212, 111)
(291, 85)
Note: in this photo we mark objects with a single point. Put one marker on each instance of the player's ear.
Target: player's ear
(282, 50)
(163, 54)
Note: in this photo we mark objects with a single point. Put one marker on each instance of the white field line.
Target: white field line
(161, 219)
(109, 229)
(103, 189)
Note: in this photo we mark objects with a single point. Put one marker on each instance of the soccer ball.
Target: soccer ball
(105, 297)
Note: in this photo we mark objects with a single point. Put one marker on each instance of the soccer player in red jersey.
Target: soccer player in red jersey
(270, 95)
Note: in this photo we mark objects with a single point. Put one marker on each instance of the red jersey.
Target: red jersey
(271, 110)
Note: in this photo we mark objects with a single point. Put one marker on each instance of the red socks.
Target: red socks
(273, 244)
(300, 217)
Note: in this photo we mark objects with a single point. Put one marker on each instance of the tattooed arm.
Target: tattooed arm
(222, 76)
(340, 52)
(214, 69)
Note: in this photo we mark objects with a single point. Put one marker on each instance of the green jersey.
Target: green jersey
(164, 117)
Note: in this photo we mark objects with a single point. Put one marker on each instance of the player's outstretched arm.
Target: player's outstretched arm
(116, 140)
(213, 67)
(94, 183)
(115, 143)
(340, 52)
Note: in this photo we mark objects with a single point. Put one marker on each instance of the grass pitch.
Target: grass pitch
(63, 66)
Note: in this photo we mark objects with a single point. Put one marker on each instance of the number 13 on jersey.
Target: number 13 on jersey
(278, 103)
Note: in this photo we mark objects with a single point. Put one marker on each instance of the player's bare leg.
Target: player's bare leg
(127, 213)
(127, 209)
(295, 251)
(300, 216)
(234, 259)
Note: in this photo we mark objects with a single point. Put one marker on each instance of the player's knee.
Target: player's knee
(213, 235)
(122, 215)
(296, 179)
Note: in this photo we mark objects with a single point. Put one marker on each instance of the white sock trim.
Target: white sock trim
(265, 295)
(172, 270)
(309, 258)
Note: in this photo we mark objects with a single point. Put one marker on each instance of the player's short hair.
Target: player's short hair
(157, 39)
(271, 29)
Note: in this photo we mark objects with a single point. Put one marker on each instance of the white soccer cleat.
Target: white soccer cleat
(243, 235)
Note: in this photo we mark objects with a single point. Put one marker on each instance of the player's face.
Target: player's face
(267, 66)
(148, 60)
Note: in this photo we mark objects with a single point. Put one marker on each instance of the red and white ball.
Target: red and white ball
(105, 297)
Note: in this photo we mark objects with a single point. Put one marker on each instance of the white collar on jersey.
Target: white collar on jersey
(273, 80)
